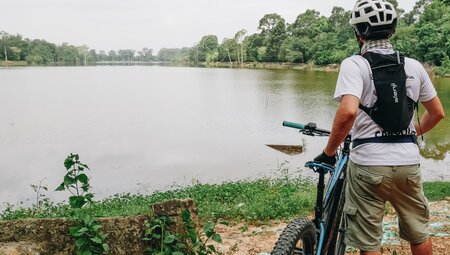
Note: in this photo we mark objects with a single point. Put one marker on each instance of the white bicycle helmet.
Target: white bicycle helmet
(374, 19)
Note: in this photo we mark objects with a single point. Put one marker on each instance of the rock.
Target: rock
(20, 248)
(51, 236)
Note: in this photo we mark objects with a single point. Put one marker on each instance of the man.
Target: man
(384, 162)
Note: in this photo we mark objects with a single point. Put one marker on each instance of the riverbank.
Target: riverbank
(257, 211)
(261, 200)
(432, 70)
(13, 63)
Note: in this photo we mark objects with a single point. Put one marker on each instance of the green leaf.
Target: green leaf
(169, 239)
(83, 165)
(69, 180)
(212, 248)
(209, 226)
(80, 242)
(225, 223)
(186, 216)
(83, 178)
(77, 201)
(177, 253)
(61, 187)
(96, 240)
(87, 253)
(105, 247)
(77, 232)
(68, 163)
(217, 238)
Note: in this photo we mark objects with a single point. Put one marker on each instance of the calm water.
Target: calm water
(146, 128)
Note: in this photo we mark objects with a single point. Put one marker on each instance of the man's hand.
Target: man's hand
(324, 158)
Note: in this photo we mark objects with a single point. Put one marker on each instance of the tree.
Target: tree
(239, 39)
(67, 54)
(112, 55)
(3, 36)
(253, 45)
(126, 55)
(413, 16)
(41, 52)
(83, 52)
(296, 50)
(273, 30)
(207, 45)
(226, 48)
(102, 55)
(338, 23)
(309, 24)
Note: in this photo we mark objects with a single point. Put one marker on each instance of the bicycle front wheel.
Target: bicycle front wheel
(299, 237)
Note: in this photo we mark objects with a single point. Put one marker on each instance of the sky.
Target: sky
(154, 24)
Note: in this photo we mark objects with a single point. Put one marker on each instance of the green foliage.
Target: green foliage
(86, 232)
(437, 190)
(281, 197)
(163, 241)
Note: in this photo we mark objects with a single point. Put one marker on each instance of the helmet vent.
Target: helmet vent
(378, 5)
(373, 19)
(388, 7)
(388, 17)
(368, 10)
(381, 16)
(357, 15)
(361, 4)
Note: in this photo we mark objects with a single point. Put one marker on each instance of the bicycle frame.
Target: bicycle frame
(337, 173)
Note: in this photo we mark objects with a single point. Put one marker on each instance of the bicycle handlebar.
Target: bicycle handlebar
(308, 129)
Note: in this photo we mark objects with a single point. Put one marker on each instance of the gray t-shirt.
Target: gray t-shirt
(354, 79)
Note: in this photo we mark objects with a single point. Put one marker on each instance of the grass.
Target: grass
(251, 201)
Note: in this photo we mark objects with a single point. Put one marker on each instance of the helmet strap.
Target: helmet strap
(361, 40)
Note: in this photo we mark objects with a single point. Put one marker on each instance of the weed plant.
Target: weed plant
(281, 197)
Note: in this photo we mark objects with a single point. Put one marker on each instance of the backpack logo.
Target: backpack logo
(394, 92)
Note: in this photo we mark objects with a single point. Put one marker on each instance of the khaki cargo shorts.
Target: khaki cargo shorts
(367, 190)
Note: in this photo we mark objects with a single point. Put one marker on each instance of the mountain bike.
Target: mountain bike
(325, 233)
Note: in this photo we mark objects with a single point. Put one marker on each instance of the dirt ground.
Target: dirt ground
(244, 239)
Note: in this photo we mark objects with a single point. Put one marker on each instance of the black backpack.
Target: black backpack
(393, 110)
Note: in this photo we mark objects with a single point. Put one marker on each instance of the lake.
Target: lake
(147, 128)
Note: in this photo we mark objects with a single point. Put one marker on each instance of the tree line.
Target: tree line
(423, 33)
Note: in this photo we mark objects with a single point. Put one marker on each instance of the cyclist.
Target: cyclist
(384, 165)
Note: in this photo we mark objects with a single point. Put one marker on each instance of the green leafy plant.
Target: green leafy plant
(89, 240)
(42, 202)
(161, 240)
(200, 245)
(190, 242)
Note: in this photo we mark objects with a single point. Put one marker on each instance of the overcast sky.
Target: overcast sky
(135, 24)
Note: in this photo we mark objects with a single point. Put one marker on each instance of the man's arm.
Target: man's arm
(433, 114)
(343, 122)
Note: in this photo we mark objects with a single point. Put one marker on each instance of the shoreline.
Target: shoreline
(280, 198)
(248, 65)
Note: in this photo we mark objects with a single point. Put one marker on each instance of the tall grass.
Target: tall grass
(249, 200)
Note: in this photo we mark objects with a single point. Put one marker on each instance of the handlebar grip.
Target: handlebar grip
(293, 125)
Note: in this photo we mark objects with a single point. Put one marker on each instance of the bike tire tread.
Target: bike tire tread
(295, 231)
